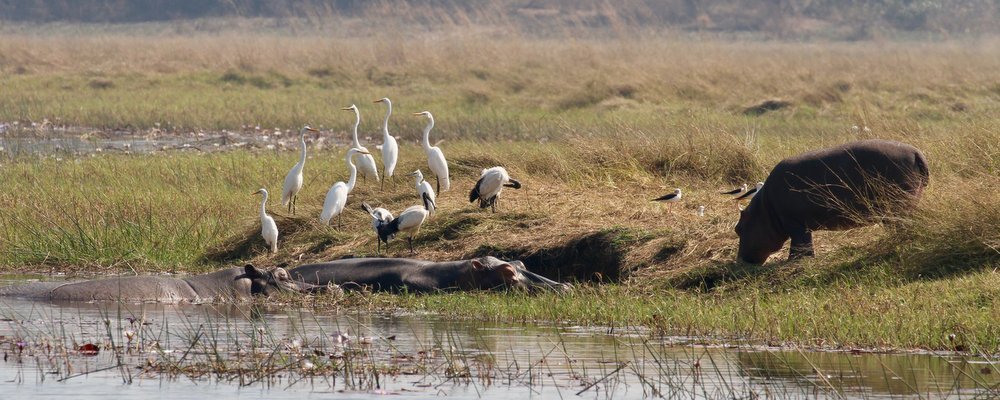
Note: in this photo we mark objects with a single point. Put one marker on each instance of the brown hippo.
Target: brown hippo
(842, 187)
(227, 284)
(399, 274)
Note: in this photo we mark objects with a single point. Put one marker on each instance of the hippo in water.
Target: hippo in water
(227, 284)
(842, 187)
(399, 274)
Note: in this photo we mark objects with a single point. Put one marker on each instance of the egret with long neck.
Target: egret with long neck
(390, 150)
(293, 181)
(268, 229)
(435, 157)
(366, 163)
(336, 197)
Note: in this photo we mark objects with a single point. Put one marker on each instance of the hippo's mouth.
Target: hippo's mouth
(535, 282)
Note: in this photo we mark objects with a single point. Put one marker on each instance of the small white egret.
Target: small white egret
(701, 211)
(491, 183)
(408, 221)
(380, 217)
(293, 181)
(366, 163)
(736, 191)
(390, 150)
(435, 157)
(268, 229)
(424, 189)
(670, 198)
(336, 197)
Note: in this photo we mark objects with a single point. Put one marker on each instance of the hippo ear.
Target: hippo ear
(477, 266)
(509, 272)
(281, 274)
(252, 271)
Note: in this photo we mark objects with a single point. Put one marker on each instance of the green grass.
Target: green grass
(592, 128)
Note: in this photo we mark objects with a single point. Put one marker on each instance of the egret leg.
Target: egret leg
(340, 221)
(438, 179)
(410, 240)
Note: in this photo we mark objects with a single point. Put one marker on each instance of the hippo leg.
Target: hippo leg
(802, 244)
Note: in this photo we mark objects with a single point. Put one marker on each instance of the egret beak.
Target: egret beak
(348, 108)
(362, 151)
(417, 114)
(312, 129)
(255, 193)
(414, 173)
(378, 101)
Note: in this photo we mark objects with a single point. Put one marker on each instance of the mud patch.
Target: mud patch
(594, 257)
(766, 106)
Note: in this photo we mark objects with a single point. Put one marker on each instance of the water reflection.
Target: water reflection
(173, 351)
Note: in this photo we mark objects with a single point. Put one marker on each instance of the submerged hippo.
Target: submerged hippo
(227, 284)
(399, 274)
(841, 187)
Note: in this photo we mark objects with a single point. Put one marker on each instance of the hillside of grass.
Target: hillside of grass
(594, 129)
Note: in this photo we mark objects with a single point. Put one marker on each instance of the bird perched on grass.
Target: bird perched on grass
(268, 229)
(491, 183)
(751, 193)
(293, 181)
(408, 221)
(390, 150)
(366, 163)
(435, 157)
(736, 191)
(670, 198)
(336, 197)
(424, 189)
(380, 218)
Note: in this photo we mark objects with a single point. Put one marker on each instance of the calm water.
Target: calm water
(202, 351)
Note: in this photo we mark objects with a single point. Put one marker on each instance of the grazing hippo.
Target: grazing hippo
(227, 284)
(398, 274)
(838, 188)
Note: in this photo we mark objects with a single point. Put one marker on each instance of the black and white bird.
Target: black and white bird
(380, 218)
(491, 183)
(736, 191)
(408, 221)
(750, 193)
(670, 197)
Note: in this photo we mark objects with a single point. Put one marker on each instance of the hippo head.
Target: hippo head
(493, 273)
(266, 283)
(758, 239)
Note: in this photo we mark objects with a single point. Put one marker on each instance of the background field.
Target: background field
(593, 125)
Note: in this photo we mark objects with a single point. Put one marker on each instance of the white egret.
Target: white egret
(366, 163)
(336, 197)
(380, 218)
(293, 181)
(424, 189)
(670, 197)
(390, 150)
(435, 157)
(268, 229)
(491, 183)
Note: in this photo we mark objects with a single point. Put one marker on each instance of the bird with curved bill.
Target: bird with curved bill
(491, 183)
(380, 218)
(408, 221)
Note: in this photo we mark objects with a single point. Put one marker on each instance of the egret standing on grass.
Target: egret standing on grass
(380, 218)
(366, 163)
(671, 197)
(390, 150)
(408, 221)
(336, 197)
(424, 189)
(435, 157)
(491, 183)
(293, 181)
(268, 229)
